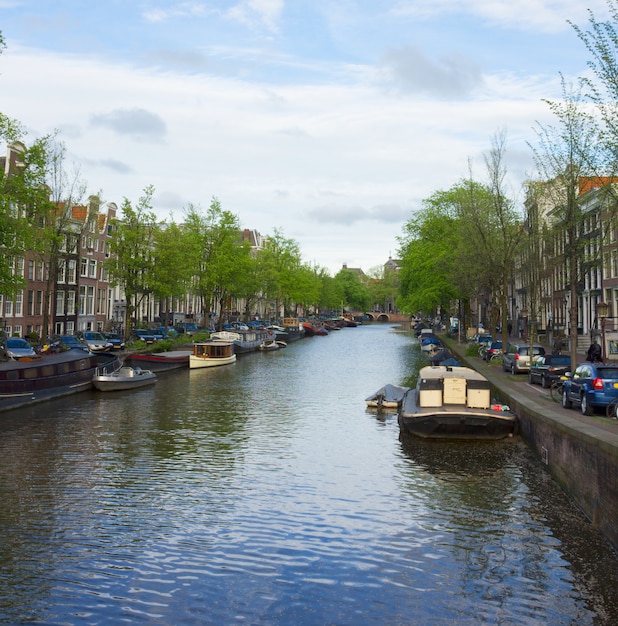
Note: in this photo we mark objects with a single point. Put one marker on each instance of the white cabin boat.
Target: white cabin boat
(212, 354)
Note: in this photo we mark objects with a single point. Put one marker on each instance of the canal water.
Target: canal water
(265, 492)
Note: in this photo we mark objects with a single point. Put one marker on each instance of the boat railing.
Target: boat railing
(104, 370)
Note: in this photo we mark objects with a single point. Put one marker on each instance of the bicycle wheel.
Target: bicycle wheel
(556, 391)
(612, 409)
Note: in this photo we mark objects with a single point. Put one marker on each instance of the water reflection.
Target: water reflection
(266, 493)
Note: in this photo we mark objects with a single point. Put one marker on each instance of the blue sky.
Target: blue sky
(328, 119)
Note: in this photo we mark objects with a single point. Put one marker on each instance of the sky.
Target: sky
(327, 120)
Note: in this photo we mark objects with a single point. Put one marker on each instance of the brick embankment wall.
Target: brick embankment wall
(580, 452)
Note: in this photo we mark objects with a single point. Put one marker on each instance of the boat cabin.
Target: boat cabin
(213, 349)
(439, 386)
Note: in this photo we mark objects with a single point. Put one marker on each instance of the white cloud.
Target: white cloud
(264, 13)
(544, 15)
(176, 11)
(450, 76)
(138, 123)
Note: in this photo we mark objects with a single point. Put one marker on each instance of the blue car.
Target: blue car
(591, 386)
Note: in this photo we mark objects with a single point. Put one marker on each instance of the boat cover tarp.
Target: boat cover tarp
(388, 393)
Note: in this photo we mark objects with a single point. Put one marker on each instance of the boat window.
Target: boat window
(46, 370)
(63, 368)
(13, 374)
(84, 364)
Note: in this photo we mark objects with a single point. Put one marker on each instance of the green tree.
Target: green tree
(172, 274)
(280, 261)
(132, 261)
(221, 257)
(355, 293)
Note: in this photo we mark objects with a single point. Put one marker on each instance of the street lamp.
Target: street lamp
(524, 314)
(602, 312)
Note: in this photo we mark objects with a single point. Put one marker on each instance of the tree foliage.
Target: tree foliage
(132, 261)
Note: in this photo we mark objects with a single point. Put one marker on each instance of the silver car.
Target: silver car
(17, 349)
(96, 341)
(516, 357)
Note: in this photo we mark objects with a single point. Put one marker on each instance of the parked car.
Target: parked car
(545, 369)
(116, 340)
(492, 349)
(188, 328)
(591, 386)
(147, 336)
(17, 349)
(68, 342)
(96, 341)
(517, 356)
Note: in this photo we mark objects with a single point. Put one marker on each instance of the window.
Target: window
(70, 328)
(17, 330)
(30, 303)
(101, 301)
(92, 268)
(31, 269)
(19, 266)
(39, 303)
(61, 270)
(82, 300)
(60, 303)
(19, 302)
(71, 275)
(84, 267)
(90, 301)
(71, 302)
(8, 307)
(39, 271)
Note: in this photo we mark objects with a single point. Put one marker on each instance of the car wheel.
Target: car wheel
(585, 406)
(513, 370)
(566, 403)
(530, 379)
(544, 382)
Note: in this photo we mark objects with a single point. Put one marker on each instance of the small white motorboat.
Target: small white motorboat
(387, 397)
(272, 344)
(123, 378)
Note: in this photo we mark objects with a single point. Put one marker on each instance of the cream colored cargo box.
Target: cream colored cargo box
(454, 390)
(479, 394)
(430, 392)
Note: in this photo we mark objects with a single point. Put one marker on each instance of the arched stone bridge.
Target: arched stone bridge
(376, 316)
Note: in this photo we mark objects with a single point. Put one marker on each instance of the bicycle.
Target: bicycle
(556, 389)
(612, 409)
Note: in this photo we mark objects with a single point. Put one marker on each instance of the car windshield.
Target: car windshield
(15, 342)
(95, 336)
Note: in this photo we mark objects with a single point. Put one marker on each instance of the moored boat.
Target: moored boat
(309, 328)
(387, 397)
(271, 344)
(212, 354)
(293, 329)
(122, 378)
(159, 361)
(454, 403)
(244, 340)
(23, 383)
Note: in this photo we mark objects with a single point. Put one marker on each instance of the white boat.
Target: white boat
(387, 397)
(123, 378)
(212, 354)
(454, 403)
(272, 344)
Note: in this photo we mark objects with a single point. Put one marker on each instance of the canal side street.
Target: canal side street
(580, 452)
